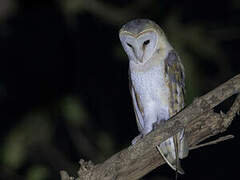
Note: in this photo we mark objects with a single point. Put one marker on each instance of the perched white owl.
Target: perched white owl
(156, 78)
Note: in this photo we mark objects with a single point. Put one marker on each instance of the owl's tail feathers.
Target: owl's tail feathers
(167, 150)
(167, 155)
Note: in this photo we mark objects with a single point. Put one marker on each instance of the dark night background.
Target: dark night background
(64, 81)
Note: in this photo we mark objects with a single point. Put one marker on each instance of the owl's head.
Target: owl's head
(141, 38)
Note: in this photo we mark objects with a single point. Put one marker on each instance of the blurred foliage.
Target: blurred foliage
(63, 102)
(74, 112)
(37, 173)
(34, 129)
(7, 8)
(70, 8)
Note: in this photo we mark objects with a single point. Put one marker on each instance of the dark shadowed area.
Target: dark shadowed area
(64, 81)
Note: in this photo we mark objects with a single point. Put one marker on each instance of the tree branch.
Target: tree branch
(198, 119)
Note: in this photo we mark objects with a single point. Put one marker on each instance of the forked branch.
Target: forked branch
(198, 119)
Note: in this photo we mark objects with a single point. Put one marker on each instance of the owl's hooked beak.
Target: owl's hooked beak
(139, 54)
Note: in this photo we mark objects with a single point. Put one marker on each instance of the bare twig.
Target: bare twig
(224, 138)
(198, 119)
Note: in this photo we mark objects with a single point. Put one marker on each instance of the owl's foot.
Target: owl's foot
(156, 124)
(140, 136)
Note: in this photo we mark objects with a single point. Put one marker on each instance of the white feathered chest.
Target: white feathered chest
(152, 90)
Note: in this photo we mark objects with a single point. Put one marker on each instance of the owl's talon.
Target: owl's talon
(155, 125)
(140, 136)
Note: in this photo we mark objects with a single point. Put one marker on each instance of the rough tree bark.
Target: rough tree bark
(198, 119)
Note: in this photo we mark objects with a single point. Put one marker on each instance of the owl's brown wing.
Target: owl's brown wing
(174, 73)
(175, 147)
(138, 110)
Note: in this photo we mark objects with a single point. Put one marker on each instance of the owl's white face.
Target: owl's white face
(140, 48)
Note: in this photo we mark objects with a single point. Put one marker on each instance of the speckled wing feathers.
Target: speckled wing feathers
(175, 147)
(174, 73)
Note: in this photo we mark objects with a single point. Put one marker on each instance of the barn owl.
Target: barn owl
(156, 80)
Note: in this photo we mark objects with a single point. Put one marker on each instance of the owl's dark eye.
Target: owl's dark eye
(146, 42)
(129, 45)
